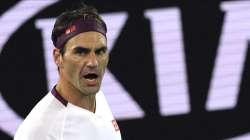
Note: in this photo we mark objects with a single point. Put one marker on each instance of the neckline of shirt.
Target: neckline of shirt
(66, 103)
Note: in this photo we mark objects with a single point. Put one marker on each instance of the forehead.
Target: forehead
(87, 39)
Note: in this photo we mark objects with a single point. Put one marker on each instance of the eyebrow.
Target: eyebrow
(104, 48)
(85, 49)
(81, 49)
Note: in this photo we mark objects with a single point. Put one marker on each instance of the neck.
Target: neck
(74, 96)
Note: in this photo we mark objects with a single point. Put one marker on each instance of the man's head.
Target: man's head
(85, 19)
(80, 50)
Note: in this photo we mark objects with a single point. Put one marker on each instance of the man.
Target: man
(75, 109)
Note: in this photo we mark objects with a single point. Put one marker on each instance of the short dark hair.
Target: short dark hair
(65, 19)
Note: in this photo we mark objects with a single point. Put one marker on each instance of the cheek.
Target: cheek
(102, 65)
(71, 67)
(104, 62)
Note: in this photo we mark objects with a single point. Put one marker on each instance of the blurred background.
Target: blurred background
(179, 70)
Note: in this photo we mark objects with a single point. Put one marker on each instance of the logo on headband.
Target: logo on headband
(70, 29)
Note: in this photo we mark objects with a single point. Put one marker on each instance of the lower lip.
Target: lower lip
(91, 82)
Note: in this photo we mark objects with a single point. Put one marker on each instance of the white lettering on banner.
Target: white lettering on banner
(169, 60)
(231, 55)
(10, 21)
(121, 104)
(46, 26)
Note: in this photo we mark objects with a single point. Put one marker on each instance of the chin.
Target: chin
(91, 90)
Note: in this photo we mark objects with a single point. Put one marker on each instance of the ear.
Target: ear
(57, 57)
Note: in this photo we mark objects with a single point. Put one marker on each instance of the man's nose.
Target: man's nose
(92, 61)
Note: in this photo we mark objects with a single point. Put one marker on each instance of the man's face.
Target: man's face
(84, 62)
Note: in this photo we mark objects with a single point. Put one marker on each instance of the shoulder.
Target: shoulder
(30, 131)
(42, 121)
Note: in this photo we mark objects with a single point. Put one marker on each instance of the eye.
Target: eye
(81, 50)
(101, 50)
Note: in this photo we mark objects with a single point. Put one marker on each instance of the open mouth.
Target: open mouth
(91, 76)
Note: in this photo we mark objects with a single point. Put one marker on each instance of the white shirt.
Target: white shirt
(53, 119)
